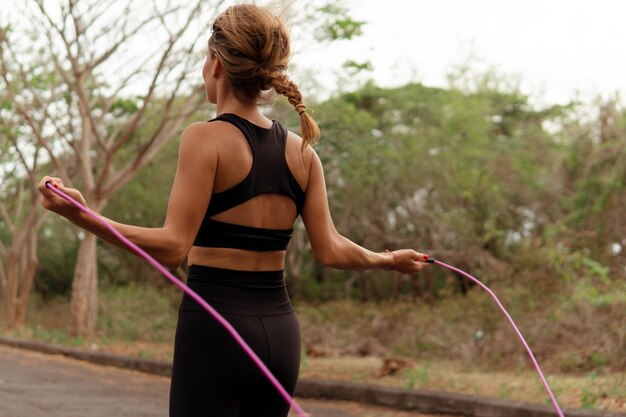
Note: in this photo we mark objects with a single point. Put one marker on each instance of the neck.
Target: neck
(247, 111)
(229, 103)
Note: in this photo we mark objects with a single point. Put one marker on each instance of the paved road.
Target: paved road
(39, 385)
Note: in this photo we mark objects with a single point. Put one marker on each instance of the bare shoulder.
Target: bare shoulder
(200, 144)
(298, 159)
(208, 132)
(294, 147)
(203, 137)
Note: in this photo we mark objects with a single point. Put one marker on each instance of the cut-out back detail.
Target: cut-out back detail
(269, 174)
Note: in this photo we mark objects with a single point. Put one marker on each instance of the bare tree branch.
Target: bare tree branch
(3, 275)
(106, 105)
(20, 202)
(31, 121)
(83, 103)
(125, 37)
(132, 126)
(98, 13)
(160, 137)
(3, 252)
(79, 28)
(35, 125)
(91, 133)
(7, 217)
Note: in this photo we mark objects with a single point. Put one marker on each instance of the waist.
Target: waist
(234, 278)
(238, 292)
(239, 259)
(216, 234)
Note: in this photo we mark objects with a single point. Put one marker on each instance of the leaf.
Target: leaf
(124, 106)
(337, 25)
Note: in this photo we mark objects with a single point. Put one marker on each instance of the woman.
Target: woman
(241, 182)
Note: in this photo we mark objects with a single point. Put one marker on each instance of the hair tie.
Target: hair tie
(301, 108)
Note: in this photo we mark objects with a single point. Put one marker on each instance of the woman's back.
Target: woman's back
(260, 183)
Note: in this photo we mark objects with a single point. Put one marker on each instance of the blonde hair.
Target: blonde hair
(254, 49)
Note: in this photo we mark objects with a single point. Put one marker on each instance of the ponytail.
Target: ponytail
(308, 127)
(254, 49)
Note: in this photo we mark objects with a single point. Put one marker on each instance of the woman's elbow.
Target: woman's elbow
(326, 258)
(174, 259)
(327, 251)
(172, 263)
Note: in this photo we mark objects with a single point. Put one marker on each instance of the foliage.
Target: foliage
(473, 177)
(527, 198)
(58, 246)
(142, 201)
(334, 23)
(437, 170)
(133, 312)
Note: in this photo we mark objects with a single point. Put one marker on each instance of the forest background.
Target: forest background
(529, 198)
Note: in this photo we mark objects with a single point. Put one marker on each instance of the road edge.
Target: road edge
(421, 400)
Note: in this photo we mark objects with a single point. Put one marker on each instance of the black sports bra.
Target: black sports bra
(269, 174)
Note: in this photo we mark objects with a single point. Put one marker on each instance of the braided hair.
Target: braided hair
(254, 49)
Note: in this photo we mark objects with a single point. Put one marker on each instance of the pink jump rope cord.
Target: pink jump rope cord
(243, 343)
(519, 334)
(217, 316)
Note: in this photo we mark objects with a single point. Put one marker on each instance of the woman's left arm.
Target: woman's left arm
(189, 199)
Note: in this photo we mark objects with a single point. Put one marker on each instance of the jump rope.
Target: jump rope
(241, 342)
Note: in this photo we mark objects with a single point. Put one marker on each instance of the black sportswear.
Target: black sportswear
(269, 174)
(212, 376)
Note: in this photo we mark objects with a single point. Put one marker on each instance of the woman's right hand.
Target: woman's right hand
(51, 201)
(408, 261)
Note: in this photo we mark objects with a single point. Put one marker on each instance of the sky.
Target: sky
(558, 49)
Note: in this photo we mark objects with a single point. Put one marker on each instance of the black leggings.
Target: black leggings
(212, 375)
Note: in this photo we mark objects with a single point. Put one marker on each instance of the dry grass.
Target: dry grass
(606, 391)
(460, 344)
(464, 344)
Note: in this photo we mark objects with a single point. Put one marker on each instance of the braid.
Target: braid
(284, 86)
(253, 46)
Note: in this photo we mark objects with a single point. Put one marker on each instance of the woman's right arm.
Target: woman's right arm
(189, 198)
(334, 250)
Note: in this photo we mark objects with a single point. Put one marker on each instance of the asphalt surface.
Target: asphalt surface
(34, 384)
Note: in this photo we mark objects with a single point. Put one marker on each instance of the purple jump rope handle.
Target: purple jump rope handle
(217, 316)
(519, 334)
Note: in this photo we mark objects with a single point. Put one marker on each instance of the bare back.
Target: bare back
(267, 210)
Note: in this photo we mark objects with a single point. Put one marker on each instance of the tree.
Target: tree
(20, 218)
(20, 222)
(453, 172)
(120, 89)
(94, 130)
(591, 227)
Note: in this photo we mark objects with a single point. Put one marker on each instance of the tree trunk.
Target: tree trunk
(28, 270)
(84, 298)
(20, 264)
(10, 289)
(20, 275)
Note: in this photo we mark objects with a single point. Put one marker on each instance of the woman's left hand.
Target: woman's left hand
(53, 202)
(408, 261)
